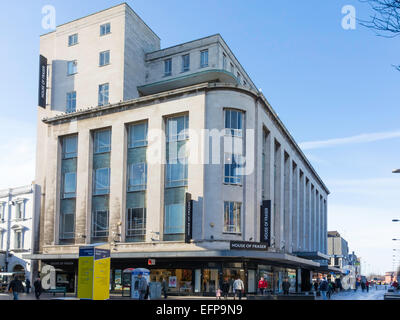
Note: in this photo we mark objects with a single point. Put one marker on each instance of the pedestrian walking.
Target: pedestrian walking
(37, 285)
(323, 288)
(286, 286)
(316, 287)
(362, 286)
(330, 288)
(357, 285)
(367, 285)
(15, 287)
(262, 285)
(142, 286)
(218, 293)
(225, 288)
(28, 285)
(164, 288)
(238, 288)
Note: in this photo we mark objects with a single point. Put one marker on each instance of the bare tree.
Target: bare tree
(386, 18)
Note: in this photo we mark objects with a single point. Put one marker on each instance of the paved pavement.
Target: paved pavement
(373, 294)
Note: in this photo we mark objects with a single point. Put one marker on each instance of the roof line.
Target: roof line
(92, 14)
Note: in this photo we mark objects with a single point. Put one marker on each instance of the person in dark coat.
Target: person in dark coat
(286, 286)
(164, 287)
(28, 285)
(225, 288)
(37, 285)
(15, 287)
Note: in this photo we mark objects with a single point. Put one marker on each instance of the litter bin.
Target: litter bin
(155, 290)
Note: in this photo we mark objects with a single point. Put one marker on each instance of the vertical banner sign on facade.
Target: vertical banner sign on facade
(265, 222)
(42, 81)
(188, 217)
(94, 273)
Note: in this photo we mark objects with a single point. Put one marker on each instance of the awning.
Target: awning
(264, 256)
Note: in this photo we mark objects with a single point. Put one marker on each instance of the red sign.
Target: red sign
(151, 262)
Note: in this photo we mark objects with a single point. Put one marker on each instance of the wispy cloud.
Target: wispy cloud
(362, 138)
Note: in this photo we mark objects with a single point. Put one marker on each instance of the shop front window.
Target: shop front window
(231, 275)
(210, 281)
(179, 281)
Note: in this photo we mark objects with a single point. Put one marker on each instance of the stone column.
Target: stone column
(295, 208)
(83, 187)
(117, 200)
(288, 213)
(53, 181)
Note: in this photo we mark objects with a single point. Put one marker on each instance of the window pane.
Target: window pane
(204, 59)
(167, 67)
(137, 177)
(72, 67)
(103, 94)
(70, 185)
(102, 181)
(136, 223)
(174, 218)
(71, 101)
(138, 135)
(100, 223)
(177, 128)
(70, 147)
(102, 141)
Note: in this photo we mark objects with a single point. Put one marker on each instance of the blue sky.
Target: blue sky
(325, 83)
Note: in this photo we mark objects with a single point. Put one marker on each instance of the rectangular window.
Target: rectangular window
(234, 123)
(232, 68)
(2, 209)
(204, 59)
(224, 61)
(72, 67)
(177, 128)
(137, 179)
(71, 101)
(102, 141)
(104, 58)
(67, 230)
(100, 224)
(185, 62)
(103, 94)
(18, 210)
(167, 67)
(174, 218)
(176, 172)
(136, 224)
(105, 29)
(232, 216)
(101, 181)
(233, 165)
(18, 239)
(70, 147)
(137, 135)
(73, 39)
(69, 185)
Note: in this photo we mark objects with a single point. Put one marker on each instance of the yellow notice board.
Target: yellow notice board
(101, 285)
(94, 273)
(85, 278)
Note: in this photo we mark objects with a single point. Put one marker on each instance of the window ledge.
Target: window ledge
(232, 233)
(104, 65)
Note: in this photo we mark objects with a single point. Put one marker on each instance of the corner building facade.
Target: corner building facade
(117, 107)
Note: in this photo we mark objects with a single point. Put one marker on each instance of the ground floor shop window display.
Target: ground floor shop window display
(178, 280)
(231, 275)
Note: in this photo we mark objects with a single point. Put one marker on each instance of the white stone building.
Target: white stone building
(116, 106)
(18, 228)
